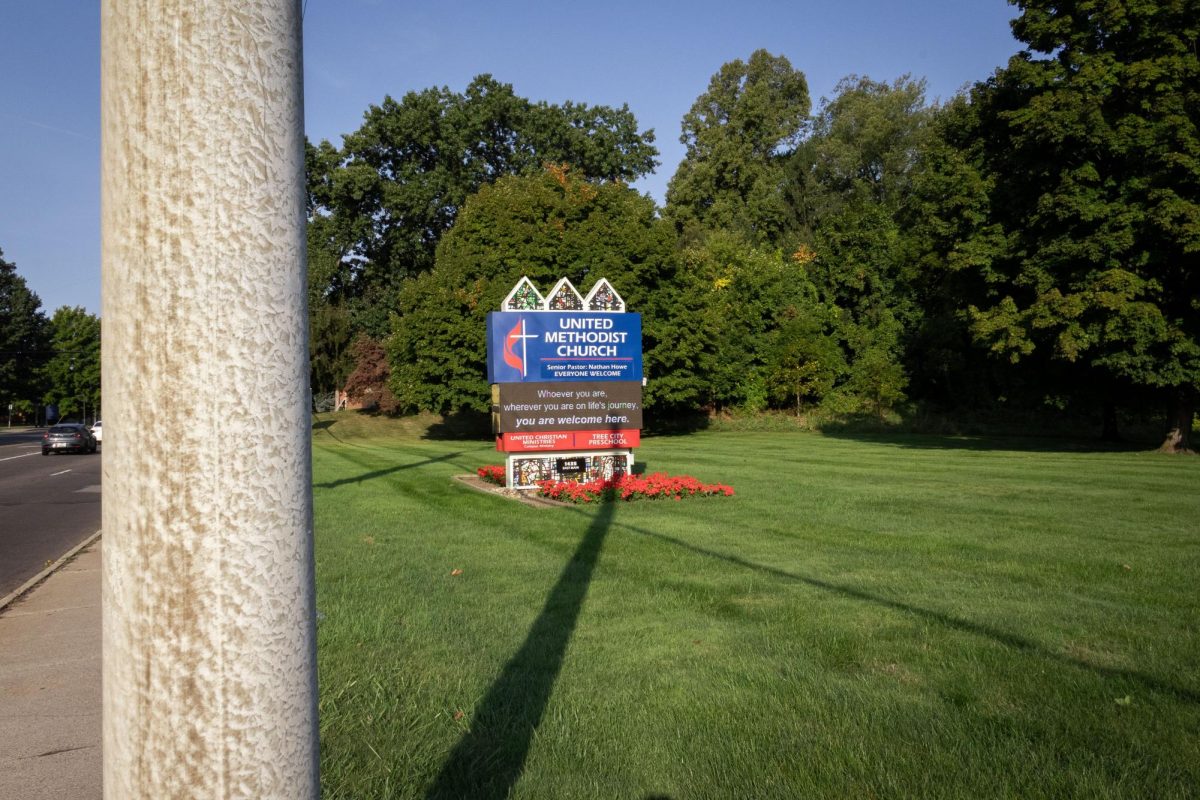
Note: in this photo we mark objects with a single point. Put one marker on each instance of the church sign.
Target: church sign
(566, 376)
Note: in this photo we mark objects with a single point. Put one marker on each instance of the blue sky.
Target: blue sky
(655, 56)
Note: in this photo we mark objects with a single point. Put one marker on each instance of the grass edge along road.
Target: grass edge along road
(890, 616)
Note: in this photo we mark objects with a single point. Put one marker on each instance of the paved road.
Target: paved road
(47, 505)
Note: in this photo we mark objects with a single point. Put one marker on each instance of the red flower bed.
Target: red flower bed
(493, 473)
(657, 486)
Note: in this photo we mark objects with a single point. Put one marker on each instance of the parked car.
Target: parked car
(98, 432)
(71, 437)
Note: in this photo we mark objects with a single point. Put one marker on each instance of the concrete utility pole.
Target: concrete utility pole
(209, 637)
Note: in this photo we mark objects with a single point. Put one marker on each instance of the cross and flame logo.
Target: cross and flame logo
(517, 336)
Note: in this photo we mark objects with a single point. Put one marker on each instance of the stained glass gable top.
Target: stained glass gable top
(563, 297)
(603, 297)
(524, 297)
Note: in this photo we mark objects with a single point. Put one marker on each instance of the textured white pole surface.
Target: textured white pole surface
(209, 654)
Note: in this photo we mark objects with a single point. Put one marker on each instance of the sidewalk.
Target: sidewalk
(50, 686)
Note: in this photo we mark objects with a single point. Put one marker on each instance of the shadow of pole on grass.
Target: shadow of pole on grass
(379, 473)
(974, 628)
(489, 759)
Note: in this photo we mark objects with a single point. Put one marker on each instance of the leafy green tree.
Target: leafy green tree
(73, 371)
(864, 144)
(805, 360)
(545, 226)
(850, 186)
(739, 134)
(1090, 137)
(329, 338)
(329, 236)
(329, 277)
(763, 325)
(951, 240)
(876, 375)
(23, 340)
(403, 176)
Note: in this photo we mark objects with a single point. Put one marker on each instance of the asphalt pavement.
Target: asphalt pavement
(50, 634)
(48, 505)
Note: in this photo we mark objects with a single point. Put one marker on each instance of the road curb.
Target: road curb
(33, 582)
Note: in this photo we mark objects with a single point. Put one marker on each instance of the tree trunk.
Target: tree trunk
(1110, 433)
(1179, 424)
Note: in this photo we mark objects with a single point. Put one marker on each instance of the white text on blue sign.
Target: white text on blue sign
(563, 346)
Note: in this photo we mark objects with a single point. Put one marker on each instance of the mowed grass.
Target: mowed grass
(868, 617)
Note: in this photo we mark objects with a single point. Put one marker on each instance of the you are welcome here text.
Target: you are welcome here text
(570, 407)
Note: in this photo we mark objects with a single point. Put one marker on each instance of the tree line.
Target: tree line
(45, 361)
(1030, 243)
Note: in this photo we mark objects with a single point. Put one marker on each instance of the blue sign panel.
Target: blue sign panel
(563, 346)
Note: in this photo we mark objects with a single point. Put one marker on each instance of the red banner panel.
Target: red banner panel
(567, 440)
(607, 440)
(526, 442)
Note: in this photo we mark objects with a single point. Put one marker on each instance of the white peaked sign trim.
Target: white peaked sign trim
(563, 287)
(514, 300)
(595, 300)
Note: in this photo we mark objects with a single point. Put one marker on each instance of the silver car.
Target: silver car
(69, 437)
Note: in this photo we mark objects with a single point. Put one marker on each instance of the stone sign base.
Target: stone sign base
(526, 471)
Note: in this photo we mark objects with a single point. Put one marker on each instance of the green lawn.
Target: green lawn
(868, 617)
